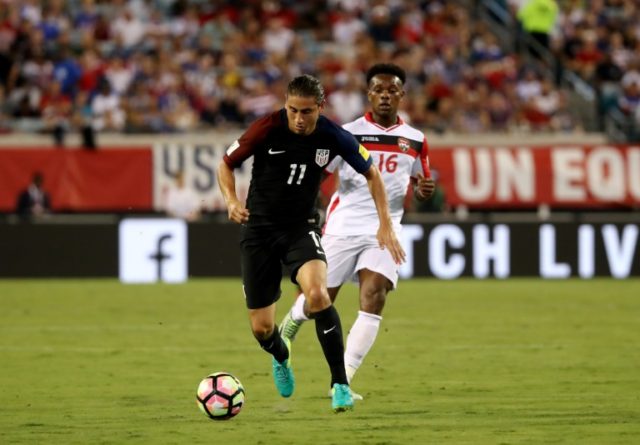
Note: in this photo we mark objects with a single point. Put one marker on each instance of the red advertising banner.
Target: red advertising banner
(479, 177)
(525, 177)
(80, 180)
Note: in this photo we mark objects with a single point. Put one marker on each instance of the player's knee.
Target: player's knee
(372, 300)
(317, 299)
(262, 331)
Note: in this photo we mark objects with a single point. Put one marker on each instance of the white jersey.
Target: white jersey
(400, 152)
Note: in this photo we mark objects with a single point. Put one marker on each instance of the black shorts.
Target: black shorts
(264, 250)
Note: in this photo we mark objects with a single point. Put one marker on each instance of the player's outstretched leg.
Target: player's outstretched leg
(329, 332)
(292, 322)
(283, 373)
(341, 399)
(354, 395)
(361, 337)
(289, 327)
(280, 349)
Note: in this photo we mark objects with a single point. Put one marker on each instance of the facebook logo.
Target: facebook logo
(153, 250)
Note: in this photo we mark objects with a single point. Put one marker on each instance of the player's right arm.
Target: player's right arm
(423, 184)
(386, 235)
(235, 155)
(227, 182)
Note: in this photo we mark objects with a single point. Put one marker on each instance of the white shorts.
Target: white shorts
(348, 255)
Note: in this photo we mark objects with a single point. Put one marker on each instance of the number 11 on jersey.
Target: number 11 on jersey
(294, 169)
(316, 241)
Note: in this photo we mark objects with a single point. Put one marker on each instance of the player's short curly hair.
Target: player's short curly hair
(386, 68)
(306, 86)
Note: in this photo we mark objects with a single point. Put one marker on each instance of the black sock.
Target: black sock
(329, 333)
(275, 346)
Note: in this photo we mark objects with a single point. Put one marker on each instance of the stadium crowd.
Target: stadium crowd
(146, 66)
(600, 41)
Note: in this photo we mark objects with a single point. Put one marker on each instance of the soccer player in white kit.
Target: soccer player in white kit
(349, 235)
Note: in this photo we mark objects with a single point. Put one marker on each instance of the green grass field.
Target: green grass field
(459, 362)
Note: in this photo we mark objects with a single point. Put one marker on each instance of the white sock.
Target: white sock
(297, 310)
(360, 340)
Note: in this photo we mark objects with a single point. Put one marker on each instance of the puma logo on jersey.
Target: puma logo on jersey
(369, 139)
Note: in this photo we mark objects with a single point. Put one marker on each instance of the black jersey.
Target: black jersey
(287, 167)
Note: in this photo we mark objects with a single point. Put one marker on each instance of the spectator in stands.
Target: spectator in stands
(229, 110)
(141, 110)
(471, 117)
(92, 70)
(587, 56)
(258, 101)
(278, 39)
(108, 114)
(82, 119)
(220, 48)
(25, 99)
(629, 101)
(56, 108)
(87, 16)
(55, 21)
(347, 27)
(66, 71)
(500, 112)
(175, 108)
(347, 102)
(541, 108)
(36, 68)
(31, 10)
(440, 115)
(538, 18)
(4, 119)
(119, 74)
(127, 29)
(34, 201)
(381, 24)
(528, 86)
(182, 201)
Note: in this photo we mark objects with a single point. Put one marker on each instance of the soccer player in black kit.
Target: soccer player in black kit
(280, 224)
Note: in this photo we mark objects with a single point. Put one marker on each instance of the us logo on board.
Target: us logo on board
(322, 157)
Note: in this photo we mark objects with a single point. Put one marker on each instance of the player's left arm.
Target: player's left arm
(360, 160)
(423, 184)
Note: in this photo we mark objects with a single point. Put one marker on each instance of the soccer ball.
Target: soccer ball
(220, 396)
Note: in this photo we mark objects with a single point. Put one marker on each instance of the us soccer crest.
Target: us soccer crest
(322, 157)
(404, 144)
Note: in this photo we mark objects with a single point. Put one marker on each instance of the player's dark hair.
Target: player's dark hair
(386, 68)
(306, 86)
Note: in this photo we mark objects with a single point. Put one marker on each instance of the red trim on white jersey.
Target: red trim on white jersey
(369, 117)
(390, 148)
(424, 159)
(331, 208)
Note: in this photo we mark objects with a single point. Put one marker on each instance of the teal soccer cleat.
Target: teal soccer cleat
(283, 374)
(289, 327)
(341, 400)
(354, 395)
